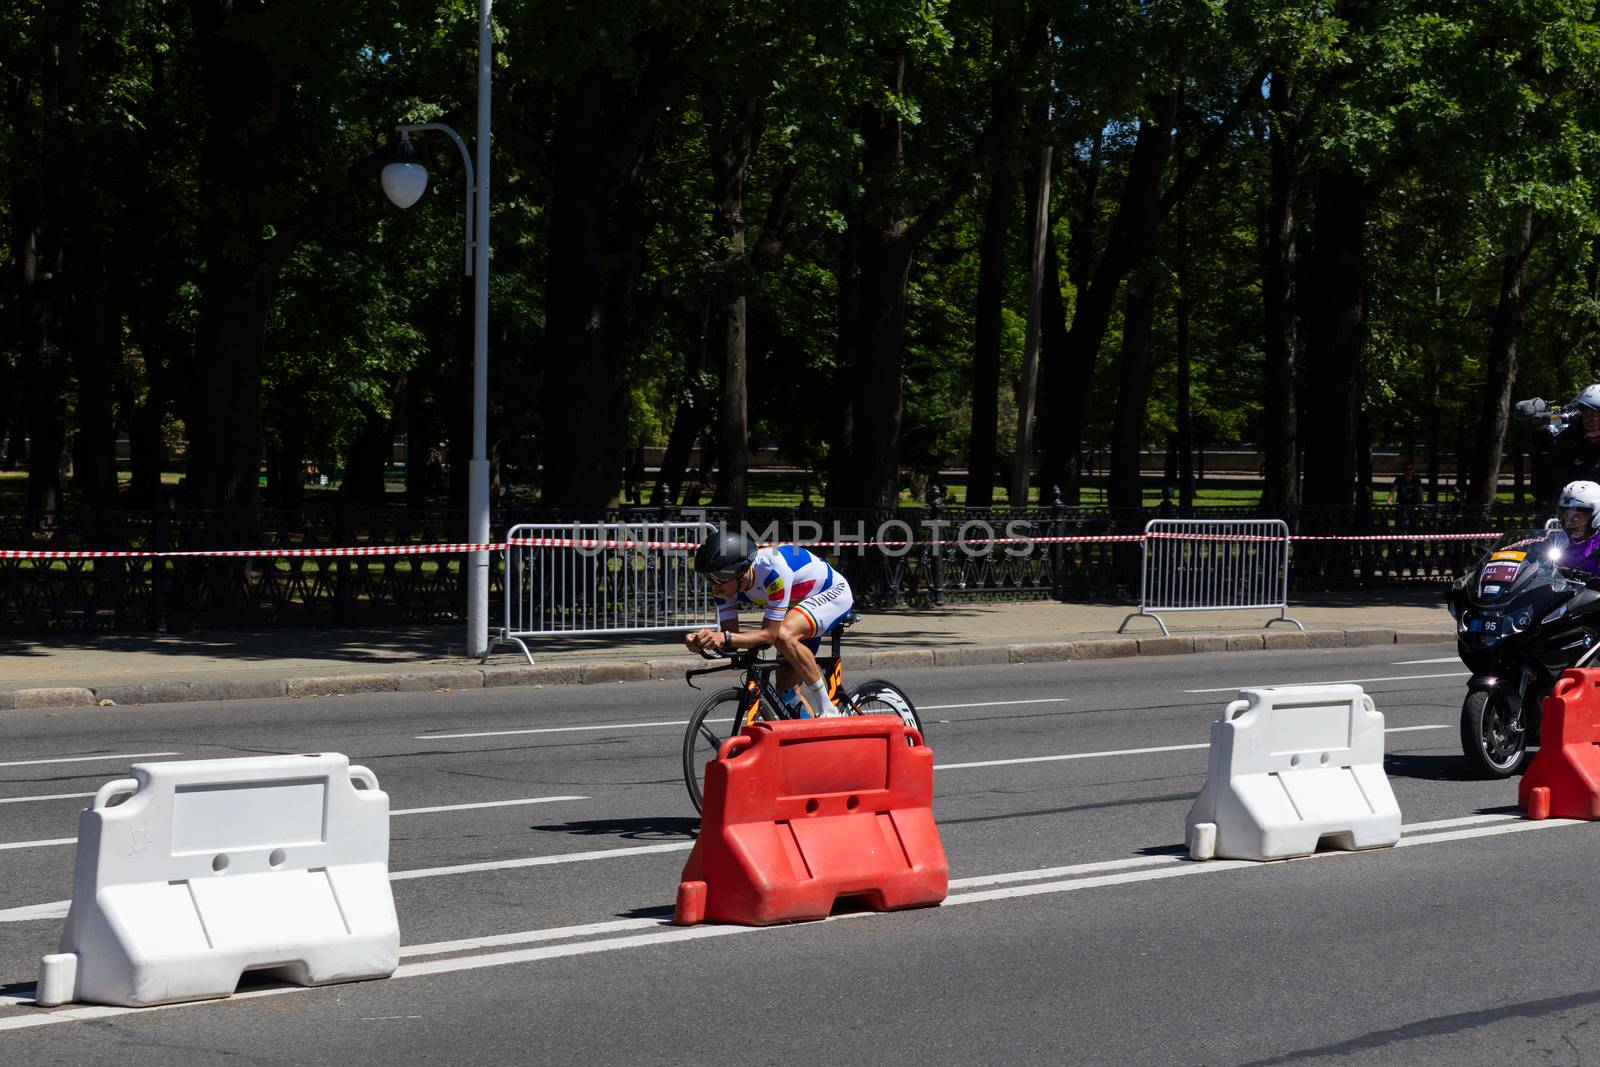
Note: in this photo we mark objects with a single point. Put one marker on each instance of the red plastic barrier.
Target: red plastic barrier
(799, 814)
(1563, 781)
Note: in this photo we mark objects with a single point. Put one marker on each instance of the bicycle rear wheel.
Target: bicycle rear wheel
(720, 716)
(878, 697)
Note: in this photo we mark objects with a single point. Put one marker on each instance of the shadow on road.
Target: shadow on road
(658, 828)
(1451, 767)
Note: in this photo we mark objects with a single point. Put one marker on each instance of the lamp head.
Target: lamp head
(405, 180)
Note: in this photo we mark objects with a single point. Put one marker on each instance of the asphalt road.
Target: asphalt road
(535, 928)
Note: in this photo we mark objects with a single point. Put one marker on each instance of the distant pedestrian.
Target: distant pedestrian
(1407, 493)
(1407, 488)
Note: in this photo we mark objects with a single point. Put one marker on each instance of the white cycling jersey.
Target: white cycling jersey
(789, 577)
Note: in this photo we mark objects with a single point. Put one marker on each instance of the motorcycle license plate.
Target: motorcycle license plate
(1479, 626)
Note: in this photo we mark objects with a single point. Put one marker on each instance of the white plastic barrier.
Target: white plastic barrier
(193, 872)
(1290, 767)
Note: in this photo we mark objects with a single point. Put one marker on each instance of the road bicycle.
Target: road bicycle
(727, 711)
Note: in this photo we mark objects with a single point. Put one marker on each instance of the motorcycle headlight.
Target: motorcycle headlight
(1520, 620)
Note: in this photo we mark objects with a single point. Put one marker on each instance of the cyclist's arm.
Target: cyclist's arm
(727, 622)
(776, 585)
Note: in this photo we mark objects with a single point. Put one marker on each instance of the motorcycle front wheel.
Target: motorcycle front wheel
(1494, 747)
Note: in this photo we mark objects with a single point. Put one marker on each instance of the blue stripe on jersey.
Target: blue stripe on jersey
(795, 556)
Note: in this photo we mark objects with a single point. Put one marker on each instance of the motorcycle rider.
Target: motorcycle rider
(1569, 454)
(1579, 508)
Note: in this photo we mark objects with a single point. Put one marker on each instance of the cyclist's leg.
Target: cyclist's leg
(798, 644)
(800, 635)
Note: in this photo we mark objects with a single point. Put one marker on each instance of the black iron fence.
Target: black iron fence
(919, 557)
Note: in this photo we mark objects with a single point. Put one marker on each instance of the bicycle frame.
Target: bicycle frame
(758, 674)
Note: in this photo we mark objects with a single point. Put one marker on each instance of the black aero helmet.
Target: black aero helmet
(724, 555)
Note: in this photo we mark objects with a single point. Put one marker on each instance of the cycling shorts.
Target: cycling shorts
(824, 609)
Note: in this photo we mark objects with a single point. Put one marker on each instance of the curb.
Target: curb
(445, 679)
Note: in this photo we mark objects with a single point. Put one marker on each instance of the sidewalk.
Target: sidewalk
(83, 669)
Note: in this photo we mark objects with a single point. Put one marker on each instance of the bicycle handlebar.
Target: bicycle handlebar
(738, 659)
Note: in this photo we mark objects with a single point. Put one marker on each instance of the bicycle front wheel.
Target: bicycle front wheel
(877, 697)
(720, 716)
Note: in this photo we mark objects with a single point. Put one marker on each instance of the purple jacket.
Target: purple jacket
(1583, 555)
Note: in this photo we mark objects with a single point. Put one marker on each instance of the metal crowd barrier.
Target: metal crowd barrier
(1214, 565)
(627, 583)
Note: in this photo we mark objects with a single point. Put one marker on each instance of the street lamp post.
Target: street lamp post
(404, 183)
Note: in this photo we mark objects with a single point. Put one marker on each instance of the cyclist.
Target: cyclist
(803, 598)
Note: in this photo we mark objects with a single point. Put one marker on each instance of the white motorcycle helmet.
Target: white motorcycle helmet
(1580, 495)
(1589, 398)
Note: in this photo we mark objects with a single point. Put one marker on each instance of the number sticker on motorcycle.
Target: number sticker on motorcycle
(1499, 572)
(1514, 556)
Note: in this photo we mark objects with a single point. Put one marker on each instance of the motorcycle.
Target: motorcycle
(1521, 619)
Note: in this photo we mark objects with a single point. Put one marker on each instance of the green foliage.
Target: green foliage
(1463, 116)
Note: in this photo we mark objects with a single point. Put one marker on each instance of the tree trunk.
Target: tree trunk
(1501, 368)
(422, 434)
(1185, 420)
(1336, 333)
(730, 161)
(1052, 364)
(365, 459)
(291, 488)
(87, 332)
(1038, 216)
(605, 128)
(983, 445)
(885, 267)
(242, 87)
(1133, 393)
(1131, 240)
(982, 454)
(95, 472)
(687, 422)
(37, 253)
(840, 455)
(1281, 491)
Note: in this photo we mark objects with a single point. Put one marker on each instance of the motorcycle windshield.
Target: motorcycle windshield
(1519, 561)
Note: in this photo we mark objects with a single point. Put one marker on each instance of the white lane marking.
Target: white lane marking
(1173, 857)
(1125, 752)
(669, 933)
(523, 937)
(994, 703)
(1423, 662)
(551, 730)
(402, 811)
(87, 759)
(538, 861)
(1067, 756)
(49, 796)
(481, 804)
(685, 722)
(1059, 872)
(1469, 820)
(51, 909)
(1209, 866)
(1337, 681)
(38, 844)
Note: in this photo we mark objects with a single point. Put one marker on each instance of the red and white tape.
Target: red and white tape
(254, 553)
